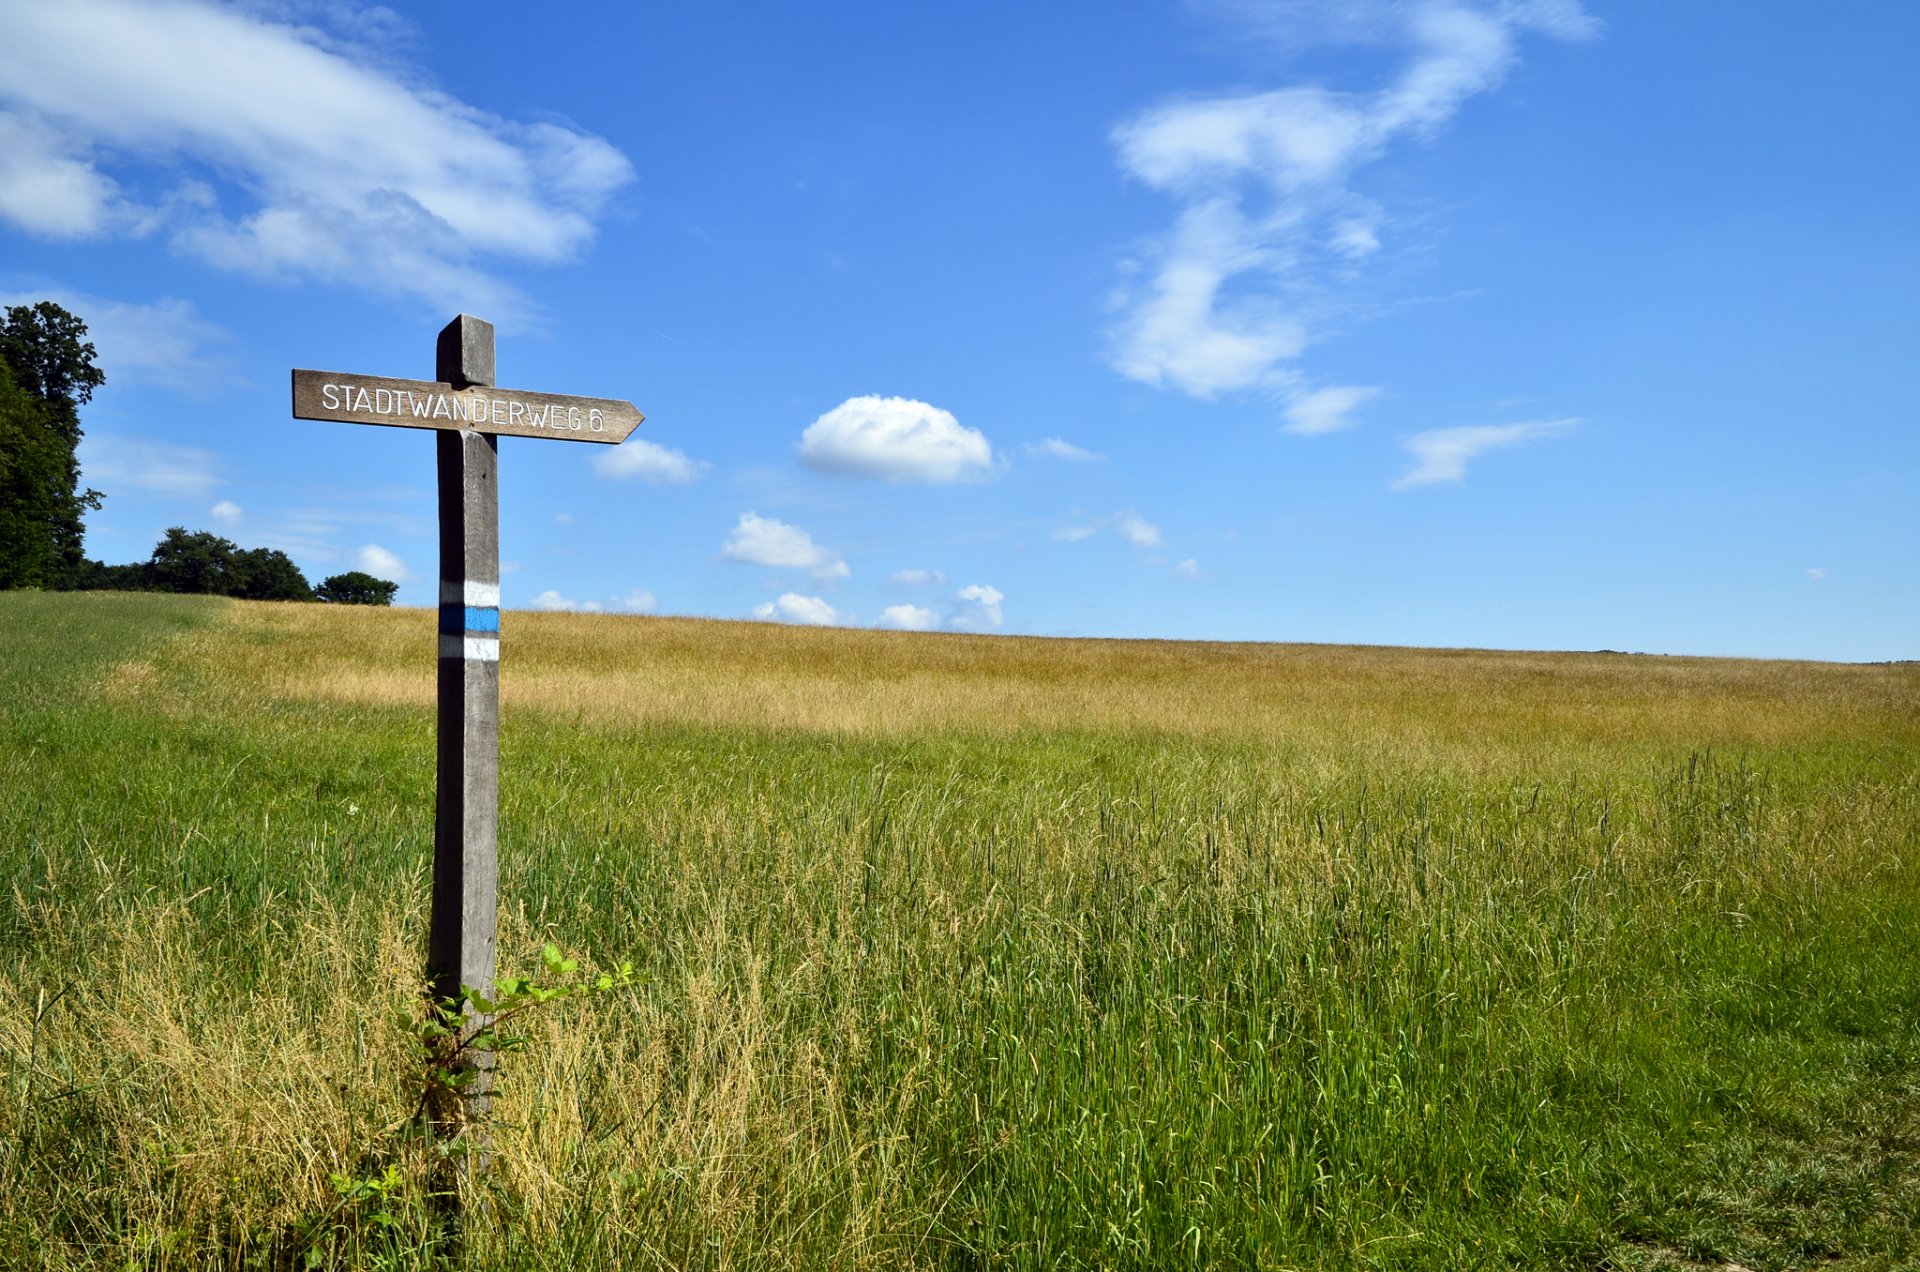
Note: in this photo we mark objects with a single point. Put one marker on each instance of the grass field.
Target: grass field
(962, 952)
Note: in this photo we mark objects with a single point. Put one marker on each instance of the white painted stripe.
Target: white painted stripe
(472, 648)
(467, 592)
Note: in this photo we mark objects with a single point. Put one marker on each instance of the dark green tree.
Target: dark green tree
(197, 561)
(45, 349)
(32, 468)
(356, 587)
(268, 574)
(97, 576)
(201, 561)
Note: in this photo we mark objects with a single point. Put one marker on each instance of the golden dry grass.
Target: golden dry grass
(955, 950)
(606, 671)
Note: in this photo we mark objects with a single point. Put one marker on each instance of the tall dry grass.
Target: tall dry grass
(607, 670)
(1259, 957)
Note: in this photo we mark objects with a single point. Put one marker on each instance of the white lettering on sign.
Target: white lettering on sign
(338, 395)
(468, 407)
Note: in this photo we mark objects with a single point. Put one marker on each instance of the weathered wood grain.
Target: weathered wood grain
(461, 933)
(465, 404)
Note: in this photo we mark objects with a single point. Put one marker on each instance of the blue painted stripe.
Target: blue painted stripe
(455, 619)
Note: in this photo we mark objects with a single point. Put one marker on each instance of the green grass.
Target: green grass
(1436, 960)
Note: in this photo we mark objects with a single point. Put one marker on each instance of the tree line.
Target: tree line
(47, 374)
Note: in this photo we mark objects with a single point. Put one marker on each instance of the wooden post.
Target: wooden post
(468, 410)
(460, 942)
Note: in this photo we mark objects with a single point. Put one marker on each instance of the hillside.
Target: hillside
(963, 951)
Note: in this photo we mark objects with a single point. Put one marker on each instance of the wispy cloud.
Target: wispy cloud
(165, 343)
(918, 578)
(48, 184)
(550, 601)
(758, 540)
(1137, 530)
(652, 463)
(113, 462)
(637, 601)
(1326, 410)
(1128, 524)
(345, 168)
(1442, 454)
(897, 439)
(1055, 448)
(1269, 224)
(313, 534)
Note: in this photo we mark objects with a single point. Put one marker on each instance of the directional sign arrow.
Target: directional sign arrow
(371, 399)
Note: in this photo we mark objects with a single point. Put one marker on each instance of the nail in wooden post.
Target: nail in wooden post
(467, 790)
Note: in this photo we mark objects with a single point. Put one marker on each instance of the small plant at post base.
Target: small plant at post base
(458, 1038)
(462, 1036)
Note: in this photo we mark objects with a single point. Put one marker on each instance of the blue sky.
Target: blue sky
(1429, 322)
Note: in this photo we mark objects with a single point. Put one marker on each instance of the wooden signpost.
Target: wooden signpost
(471, 413)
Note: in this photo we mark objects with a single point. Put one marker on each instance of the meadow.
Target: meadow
(960, 952)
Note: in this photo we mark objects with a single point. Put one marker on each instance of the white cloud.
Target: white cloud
(1268, 223)
(337, 165)
(918, 578)
(164, 343)
(1184, 335)
(377, 561)
(552, 602)
(226, 512)
(634, 602)
(1055, 448)
(909, 618)
(980, 606)
(654, 464)
(764, 541)
(1187, 569)
(312, 534)
(1137, 530)
(1326, 410)
(1356, 238)
(898, 439)
(1817, 574)
(1442, 454)
(791, 607)
(113, 462)
(1129, 525)
(47, 184)
(1297, 25)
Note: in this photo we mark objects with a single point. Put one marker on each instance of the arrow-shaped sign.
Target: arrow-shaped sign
(371, 399)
